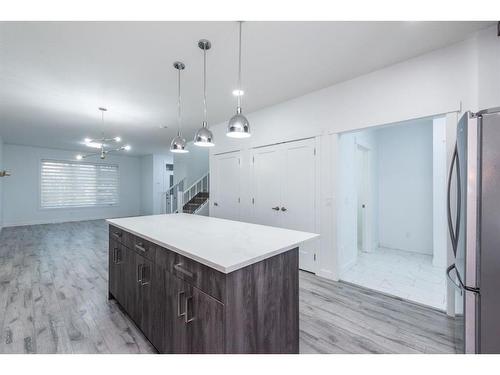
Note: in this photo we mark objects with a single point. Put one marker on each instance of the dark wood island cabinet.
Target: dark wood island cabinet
(184, 306)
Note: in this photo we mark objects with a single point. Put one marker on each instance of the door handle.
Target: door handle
(188, 319)
(283, 209)
(448, 270)
(179, 304)
(139, 246)
(115, 255)
(277, 208)
(144, 276)
(116, 234)
(178, 267)
(216, 204)
(139, 273)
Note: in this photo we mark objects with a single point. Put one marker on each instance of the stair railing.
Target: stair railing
(174, 197)
(201, 185)
(177, 195)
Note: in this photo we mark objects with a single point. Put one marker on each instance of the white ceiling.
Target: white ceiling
(54, 75)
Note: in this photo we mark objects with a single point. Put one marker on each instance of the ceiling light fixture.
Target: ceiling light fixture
(103, 143)
(204, 137)
(178, 144)
(238, 126)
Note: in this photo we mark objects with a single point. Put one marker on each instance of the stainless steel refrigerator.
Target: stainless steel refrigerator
(474, 226)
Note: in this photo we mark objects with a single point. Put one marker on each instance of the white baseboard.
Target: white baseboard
(327, 274)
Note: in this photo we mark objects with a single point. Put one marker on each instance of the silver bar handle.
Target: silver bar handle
(144, 278)
(116, 234)
(139, 273)
(179, 304)
(187, 319)
(277, 208)
(139, 246)
(448, 270)
(178, 267)
(115, 257)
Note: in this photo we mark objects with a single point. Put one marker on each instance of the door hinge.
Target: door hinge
(238, 199)
(315, 257)
(253, 159)
(253, 200)
(239, 161)
(314, 151)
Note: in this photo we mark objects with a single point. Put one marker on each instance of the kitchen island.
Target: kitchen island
(196, 284)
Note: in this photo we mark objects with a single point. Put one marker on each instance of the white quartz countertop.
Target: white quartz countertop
(224, 245)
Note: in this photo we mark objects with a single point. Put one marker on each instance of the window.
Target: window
(74, 184)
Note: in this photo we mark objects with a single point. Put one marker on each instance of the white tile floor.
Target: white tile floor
(400, 273)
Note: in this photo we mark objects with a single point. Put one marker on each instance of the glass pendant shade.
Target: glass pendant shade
(178, 145)
(204, 137)
(238, 126)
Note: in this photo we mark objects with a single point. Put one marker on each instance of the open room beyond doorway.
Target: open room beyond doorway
(392, 227)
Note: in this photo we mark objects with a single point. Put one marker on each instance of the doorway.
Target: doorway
(363, 160)
(392, 219)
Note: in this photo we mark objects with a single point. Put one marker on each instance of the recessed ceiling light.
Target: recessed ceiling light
(118, 139)
(127, 147)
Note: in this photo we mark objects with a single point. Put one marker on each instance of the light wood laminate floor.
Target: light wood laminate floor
(53, 299)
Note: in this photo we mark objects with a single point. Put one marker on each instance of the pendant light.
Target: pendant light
(238, 126)
(178, 144)
(204, 137)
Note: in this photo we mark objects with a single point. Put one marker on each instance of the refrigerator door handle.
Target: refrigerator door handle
(451, 228)
(448, 270)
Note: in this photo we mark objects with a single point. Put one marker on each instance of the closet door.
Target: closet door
(298, 189)
(267, 164)
(226, 203)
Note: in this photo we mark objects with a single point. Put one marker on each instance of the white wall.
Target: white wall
(147, 177)
(192, 165)
(154, 183)
(405, 186)
(1, 184)
(439, 193)
(348, 175)
(21, 202)
(439, 82)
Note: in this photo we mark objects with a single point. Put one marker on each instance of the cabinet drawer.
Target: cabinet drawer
(204, 278)
(145, 248)
(119, 235)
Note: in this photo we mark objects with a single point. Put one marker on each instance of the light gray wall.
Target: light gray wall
(192, 165)
(147, 185)
(405, 186)
(21, 195)
(154, 183)
(1, 184)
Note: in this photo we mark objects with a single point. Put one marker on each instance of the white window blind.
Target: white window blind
(73, 184)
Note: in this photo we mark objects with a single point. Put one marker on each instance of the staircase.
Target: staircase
(195, 203)
(191, 200)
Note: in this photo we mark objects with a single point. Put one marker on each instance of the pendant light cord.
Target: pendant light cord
(179, 102)
(204, 87)
(239, 69)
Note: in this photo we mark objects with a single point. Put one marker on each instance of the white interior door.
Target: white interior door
(267, 167)
(226, 203)
(299, 195)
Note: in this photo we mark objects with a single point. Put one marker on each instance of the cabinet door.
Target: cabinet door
(204, 323)
(114, 274)
(130, 284)
(144, 295)
(298, 191)
(160, 338)
(175, 324)
(267, 167)
(226, 203)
